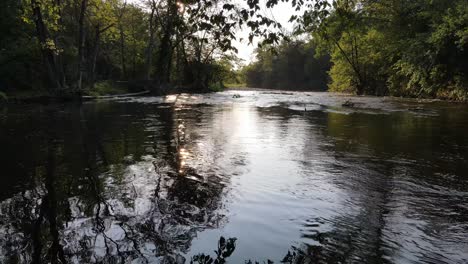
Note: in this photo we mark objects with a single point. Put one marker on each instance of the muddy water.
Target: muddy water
(154, 179)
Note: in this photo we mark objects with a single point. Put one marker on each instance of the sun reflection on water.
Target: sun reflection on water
(182, 153)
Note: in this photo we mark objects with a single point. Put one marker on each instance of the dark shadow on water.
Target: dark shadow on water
(226, 248)
(113, 202)
(120, 182)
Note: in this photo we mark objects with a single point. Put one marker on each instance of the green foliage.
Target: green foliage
(106, 88)
(20, 59)
(235, 85)
(216, 87)
(398, 47)
(341, 75)
(41, 44)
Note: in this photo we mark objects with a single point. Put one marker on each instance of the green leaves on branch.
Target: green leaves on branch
(398, 47)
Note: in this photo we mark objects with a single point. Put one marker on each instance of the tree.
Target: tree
(396, 47)
(50, 50)
(81, 42)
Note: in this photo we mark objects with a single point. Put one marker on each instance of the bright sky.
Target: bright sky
(281, 13)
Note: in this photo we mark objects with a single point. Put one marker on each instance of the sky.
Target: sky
(281, 13)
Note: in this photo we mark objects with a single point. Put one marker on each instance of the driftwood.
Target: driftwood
(90, 97)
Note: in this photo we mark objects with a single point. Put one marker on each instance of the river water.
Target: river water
(161, 179)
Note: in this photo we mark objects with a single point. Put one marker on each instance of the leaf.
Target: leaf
(222, 242)
(228, 6)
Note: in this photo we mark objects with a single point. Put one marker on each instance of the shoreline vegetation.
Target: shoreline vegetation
(45, 98)
(52, 51)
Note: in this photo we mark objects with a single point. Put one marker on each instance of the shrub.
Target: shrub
(106, 88)
(3, 97)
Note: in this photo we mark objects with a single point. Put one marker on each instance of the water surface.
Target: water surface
(154, 179)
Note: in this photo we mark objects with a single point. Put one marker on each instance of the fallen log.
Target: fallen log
(90, 97)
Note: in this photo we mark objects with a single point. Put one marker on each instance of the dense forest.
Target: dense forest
(76, 47)
(291, 65)
(412, 48)
(397, 47)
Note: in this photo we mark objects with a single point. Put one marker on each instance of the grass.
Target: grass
(235, 85)
(219, 87)
(106, 88)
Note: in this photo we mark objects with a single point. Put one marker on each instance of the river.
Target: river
(161, 179)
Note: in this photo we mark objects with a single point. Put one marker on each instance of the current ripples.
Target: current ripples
(157, 179)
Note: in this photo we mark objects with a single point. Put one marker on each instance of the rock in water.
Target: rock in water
(348, 103)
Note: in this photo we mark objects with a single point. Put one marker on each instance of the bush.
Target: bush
(3, 97)
(106, 88)
(216, 87)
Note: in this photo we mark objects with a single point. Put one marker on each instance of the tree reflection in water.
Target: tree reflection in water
(226, 248)
(135, 183)
(142, 211)
(137, 220)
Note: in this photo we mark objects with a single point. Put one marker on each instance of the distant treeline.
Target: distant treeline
(416, 48)
(290, 66)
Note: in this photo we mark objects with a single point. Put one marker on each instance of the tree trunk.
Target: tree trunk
(165, 54)
(149, 51)
(81, 44)
(47, 54)
(123, 74)
(97, 37)
(354, 63)
(95, 54)
(165, 50)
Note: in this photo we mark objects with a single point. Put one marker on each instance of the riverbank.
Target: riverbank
(104, 89)
(123, 89)
(101, 89)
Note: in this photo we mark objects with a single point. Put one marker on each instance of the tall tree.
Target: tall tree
(48, 46)
(81, 43)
